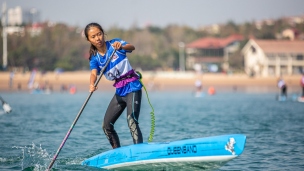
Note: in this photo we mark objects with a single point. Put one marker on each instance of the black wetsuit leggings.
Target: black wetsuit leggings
(117, 105)
(284, 90)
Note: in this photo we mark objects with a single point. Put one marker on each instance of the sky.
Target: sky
(127, 13)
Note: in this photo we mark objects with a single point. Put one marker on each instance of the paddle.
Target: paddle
(79, 113)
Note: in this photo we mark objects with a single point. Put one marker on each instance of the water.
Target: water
(32, 133)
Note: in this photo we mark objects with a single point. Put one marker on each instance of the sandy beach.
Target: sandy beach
(158, 81)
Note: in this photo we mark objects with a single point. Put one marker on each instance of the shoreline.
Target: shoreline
(156, 81)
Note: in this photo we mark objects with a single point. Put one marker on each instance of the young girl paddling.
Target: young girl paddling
(128, 87)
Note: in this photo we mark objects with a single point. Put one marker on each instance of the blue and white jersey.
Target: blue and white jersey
(118, 68)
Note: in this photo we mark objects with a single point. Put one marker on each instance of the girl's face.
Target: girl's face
(96, 37)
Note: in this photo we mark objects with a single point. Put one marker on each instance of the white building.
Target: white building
(273, 57)
(18, 16)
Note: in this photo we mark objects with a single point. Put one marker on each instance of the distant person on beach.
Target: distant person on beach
(19, 86)
(11, 79)
(198, 86)
(282, 85)
(128, 87)
(302, 84)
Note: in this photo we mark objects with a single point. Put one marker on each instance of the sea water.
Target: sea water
(31, 134)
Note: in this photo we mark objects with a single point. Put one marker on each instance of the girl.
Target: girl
(128, 87)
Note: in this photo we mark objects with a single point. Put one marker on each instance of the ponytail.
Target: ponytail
(92, 51)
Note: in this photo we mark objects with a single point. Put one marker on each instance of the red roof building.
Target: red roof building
(214, 43)
(211, 51)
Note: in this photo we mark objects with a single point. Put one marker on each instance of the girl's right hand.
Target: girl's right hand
(117, 45)
(93, 88)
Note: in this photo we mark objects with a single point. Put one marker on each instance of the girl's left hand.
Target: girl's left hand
(117, 45)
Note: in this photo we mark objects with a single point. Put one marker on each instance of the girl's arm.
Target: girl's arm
(93, 78)
(127, 47)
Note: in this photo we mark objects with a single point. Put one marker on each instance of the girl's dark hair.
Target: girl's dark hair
(93, 49)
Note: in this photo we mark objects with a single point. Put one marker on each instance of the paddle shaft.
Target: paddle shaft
(79, 113)
(2, 100)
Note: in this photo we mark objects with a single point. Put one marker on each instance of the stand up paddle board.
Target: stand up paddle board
(300, 99)
(199, 94)
(189, 153)
(281, 98)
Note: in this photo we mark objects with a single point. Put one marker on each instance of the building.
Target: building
(212, 54)
(273, 57)
(18, 16)
(292, 34)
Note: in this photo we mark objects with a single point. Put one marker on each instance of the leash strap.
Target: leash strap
(152, 112)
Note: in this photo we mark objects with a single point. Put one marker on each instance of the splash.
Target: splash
(34, 158)
(2, 112)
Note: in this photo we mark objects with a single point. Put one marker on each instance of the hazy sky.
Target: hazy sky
(125, 13)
